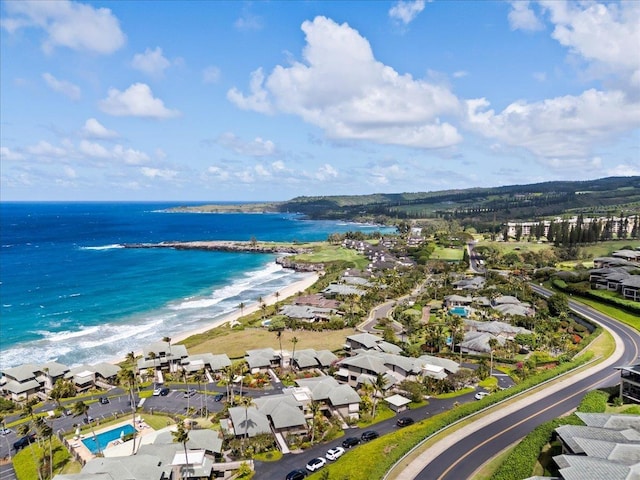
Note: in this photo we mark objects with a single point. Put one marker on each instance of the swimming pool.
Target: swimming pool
(461, 311)
(103, 439)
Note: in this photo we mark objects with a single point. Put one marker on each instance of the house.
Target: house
(162, 356)
(285, 412)
(336, 397)
(398, 403)
(367, 341)
(209, 362)
(310, 358)
(509, 305)
(19, 383)
(249, 422)
(101, 375)
(630, 382)
(473, 283)
(316, 300)
(630, 288)
(307, 313)
(457, 301)
(498, 329)
(342, 290)
(262, 359)
(135, 467)
(629, 255)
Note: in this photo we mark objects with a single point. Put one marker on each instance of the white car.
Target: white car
(481, 395)
(316, 464)
(5, 431)
(334, 453)
(156, 391)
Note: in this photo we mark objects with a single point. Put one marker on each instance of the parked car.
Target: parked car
(87, 420)
(218, 397)
(369, 435)
(481, 395)
(157, 390)
(334, 453)
(316, 464)
(350, 442)
(405, 422)
(298, 474)
(164, 391)
(24, 441)
(103, 400)
(190, 393)
(5, 431)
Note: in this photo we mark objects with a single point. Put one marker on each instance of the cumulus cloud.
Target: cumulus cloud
(211, 74)
(164, 174)
(522, 17)
(604, 35)
(7, 154)
(68, 89)
(624, 170)
(326, 172)
(151, 62)
(135, 101)
(562, 127)
(218, 173)
(93, 150)
(248, 20)
(46, 150)
(94, 129)
(67, 24)
(255, 148)
(406, 12)
(342, 89)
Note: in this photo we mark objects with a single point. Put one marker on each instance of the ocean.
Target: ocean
(70, 292)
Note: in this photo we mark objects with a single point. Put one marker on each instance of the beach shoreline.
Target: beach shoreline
(277, 296)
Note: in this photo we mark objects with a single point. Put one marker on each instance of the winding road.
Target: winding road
(459, 456)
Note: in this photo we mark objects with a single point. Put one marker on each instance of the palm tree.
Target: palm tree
(131, 358)
(246, 402)
(23, 430)
(167, 340)
(198, 377)
(184, 375)
(294, 340)
(493, 343)
(378, 388)
(82, 409)
(227, 374)
(181, 435)
(153, 356)
(46, 432)
(455, 326)
(241, 369)
(314, 407)
(279, 335)
(127, 379)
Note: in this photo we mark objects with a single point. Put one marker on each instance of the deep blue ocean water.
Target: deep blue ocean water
(70, 292)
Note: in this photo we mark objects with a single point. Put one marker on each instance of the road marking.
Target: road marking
(490, 439)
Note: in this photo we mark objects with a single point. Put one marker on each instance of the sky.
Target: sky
(269, 100)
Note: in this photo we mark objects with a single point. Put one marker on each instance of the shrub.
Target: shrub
(594, 402)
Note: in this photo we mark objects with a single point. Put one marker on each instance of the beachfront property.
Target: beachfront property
(309, 358)
(368, 341)
(162, 356)
(26, 381)
(262, 359)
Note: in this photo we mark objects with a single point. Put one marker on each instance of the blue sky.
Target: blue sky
(269, 100)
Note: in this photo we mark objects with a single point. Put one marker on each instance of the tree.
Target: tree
(23, 430)
(81, 409)
(227, 374)
(294, 340)
(181, 435)
(46, 432)
(241, 369)
(558, 303)
(127, 379)
(153, 356)
(3, 422)
(279, 335)
(62, 389)
(314, 407)
(456, 327)
(378, 389)
(167, 340)
(199, 377)
(493, 343)
(246, 402)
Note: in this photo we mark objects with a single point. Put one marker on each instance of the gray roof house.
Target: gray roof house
(310, 358)
(262, 359)
(138, 467)
(367, 341)
(209, 361)
(252, 421)
(284, 411)
(342, 289)
(630, 382)
(167, 356)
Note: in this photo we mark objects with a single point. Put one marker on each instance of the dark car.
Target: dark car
(164, 392)
(369, 435)
(103, 400)
(405, 422)
(350, 442)
(24, 441)
(296, 474)
(218, 397)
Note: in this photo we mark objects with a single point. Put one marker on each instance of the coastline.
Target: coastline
(282, 294)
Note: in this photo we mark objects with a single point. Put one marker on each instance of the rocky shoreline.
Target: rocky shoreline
(250, 247)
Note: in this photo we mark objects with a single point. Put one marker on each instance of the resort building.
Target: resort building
(101, 375)
(262, 359)
(310, 358)
(25, 381)
(339, 399)
(630, 382)
(367, 341)
(162, 356)
(615, 224)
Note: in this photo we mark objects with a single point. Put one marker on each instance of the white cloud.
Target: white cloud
(384, 174)
(9, 155)
(562, 127)
(343, 90)
(93, 150)
(135, 101)
(407, 11)
(460, 74)
(94, 129)
(129, 155)
(69, 172)
(605, 35)
(45, 149)
(68, 24)
(624, 170)
(262, 171)
(218, 173)
(522, 17)
(211, 74)
(255, 148)
(164, 174)
(540, 76)
(151, 62)
(248, 21)
(68, 89)
(326, 172)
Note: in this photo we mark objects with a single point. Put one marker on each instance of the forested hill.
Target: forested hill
(602, 197)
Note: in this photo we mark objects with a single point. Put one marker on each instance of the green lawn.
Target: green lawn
(448, 254)
(325, 253)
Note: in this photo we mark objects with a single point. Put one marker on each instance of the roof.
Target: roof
(136, 467)
(366, 339)
(343, 395)
(252, 420)
(343, 289)
(569, 434)
(215, 362)
(201, 439)
(365, 362)
(55, 369)
(617, 421)
(284, 410)
(20, 387)
(397, 400)
(320, 387)
(261, 357)
(22, 373)
(578, 467)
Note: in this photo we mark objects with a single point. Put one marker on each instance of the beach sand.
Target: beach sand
(282, 294)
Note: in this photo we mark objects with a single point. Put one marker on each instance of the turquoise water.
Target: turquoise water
(103, 439)
(461, 311)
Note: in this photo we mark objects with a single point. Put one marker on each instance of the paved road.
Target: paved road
(462, 457)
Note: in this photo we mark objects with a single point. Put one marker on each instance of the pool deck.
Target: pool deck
(83, 452)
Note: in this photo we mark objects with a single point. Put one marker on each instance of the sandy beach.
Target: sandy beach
(282, 294)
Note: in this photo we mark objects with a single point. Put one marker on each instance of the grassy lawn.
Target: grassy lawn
(236, 343)
(622, 316)
(449, 254)
(325, 253)
(383, 412)
(23, 461)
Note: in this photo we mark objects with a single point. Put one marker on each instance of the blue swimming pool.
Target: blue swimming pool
(103, 439)
(461, 311)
